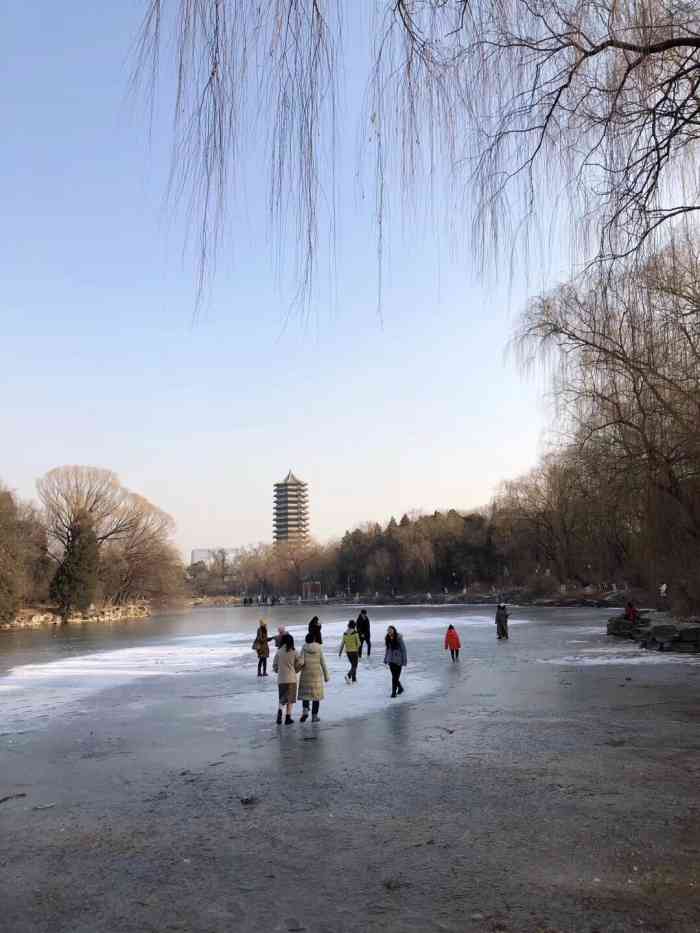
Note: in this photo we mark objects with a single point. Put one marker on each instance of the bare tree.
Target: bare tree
(625, 351)
(578, 110)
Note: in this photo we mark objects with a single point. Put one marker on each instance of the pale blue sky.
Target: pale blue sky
(101, 361)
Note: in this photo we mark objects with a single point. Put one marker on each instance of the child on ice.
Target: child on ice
(452, 642)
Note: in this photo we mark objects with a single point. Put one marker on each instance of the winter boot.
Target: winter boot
(288, 720)
(279, 717)
(315, 718)
(304, 716)
(400, 689)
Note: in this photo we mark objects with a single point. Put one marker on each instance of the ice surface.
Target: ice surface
(38, 690)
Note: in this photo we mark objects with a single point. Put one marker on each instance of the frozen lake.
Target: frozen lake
(206, 653)
(145, 786)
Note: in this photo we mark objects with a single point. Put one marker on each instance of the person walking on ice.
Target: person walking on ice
(286, 665)
(364, 631)
(314, 674)
(396, 658)
(502, 621)
(262, 648)
(452, 642)
(351, 643)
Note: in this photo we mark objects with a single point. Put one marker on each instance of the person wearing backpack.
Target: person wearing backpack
(350, 643)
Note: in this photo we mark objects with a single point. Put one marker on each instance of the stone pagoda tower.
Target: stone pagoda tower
(290, 514)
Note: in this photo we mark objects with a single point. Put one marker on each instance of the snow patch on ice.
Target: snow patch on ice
(620, 656)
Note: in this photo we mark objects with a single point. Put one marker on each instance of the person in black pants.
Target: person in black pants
(363, 630)
(396, 658)
(350, 643)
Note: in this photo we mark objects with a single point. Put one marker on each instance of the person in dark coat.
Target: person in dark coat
(364, 631)
(396, 658)
(315, 630)
(502, 621)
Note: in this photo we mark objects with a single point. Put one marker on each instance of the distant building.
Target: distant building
(206, 554)
(290, 514)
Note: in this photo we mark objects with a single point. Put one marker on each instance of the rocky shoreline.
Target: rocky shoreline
(39, 618)
(663, 633)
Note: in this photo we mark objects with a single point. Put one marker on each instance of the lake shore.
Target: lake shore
(41, 617)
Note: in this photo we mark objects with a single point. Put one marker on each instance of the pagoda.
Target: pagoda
(290, 513)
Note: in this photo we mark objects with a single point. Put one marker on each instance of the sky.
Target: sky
(105, 361)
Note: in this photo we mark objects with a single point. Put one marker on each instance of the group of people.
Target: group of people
(302, 674)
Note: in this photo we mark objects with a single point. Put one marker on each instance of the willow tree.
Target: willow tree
(532, 110)
(625, 355)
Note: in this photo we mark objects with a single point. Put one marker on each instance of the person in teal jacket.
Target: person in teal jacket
(351, 644)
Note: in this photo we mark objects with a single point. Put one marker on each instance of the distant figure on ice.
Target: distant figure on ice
(395, 656)
(261, 646)
(351, 643)
(315, 630)
(502, 621)
(452, 642)
(631, 612)
(314, 674)
(286, 665)
(363, 630)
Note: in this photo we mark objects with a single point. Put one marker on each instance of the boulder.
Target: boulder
(620, 626)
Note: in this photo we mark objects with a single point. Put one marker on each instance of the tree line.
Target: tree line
(91, 542)
(615, 501)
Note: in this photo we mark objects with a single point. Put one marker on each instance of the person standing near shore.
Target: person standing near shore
(364, 631)
(395, 656)
(262, 647)
(286, 665)
(314, 674)
(502, 621)
(452, 642)
(351, 643)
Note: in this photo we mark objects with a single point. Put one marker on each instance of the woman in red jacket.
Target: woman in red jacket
(452, 642)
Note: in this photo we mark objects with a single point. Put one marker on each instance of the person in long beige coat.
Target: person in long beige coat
(314, 674)
(287, 663)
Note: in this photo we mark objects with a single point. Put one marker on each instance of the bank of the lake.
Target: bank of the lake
(40, 617)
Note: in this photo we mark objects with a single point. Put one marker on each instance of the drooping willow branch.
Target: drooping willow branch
(583, 110)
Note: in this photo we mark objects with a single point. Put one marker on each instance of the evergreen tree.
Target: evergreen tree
(10, 562)
(74, 585)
